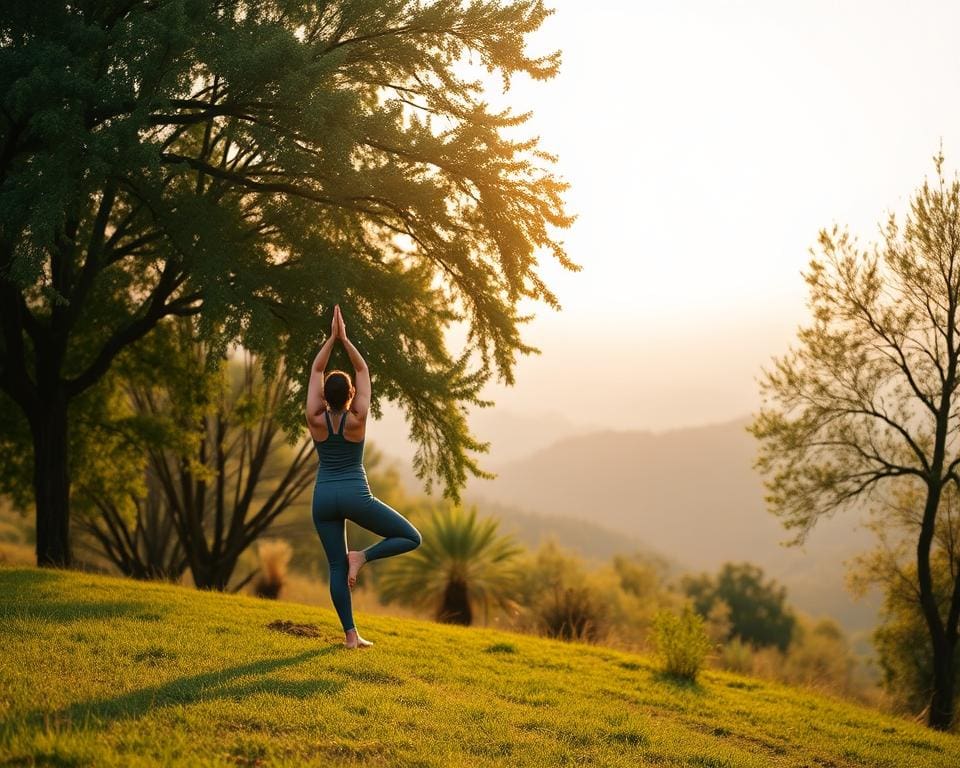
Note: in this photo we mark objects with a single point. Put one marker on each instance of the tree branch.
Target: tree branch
(128, 334)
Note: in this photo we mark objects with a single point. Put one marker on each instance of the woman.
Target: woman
(337, 418)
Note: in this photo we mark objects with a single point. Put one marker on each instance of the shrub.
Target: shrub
(464, 563)
(682, 642)
(274, 557)
(561, 598)
(737, 656)
(573, 613)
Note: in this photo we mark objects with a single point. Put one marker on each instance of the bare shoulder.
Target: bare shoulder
(356, 427)
(317, 425)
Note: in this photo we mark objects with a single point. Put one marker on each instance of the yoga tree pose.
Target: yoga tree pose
(337, 418)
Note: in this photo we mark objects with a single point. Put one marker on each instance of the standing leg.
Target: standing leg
(334, 539)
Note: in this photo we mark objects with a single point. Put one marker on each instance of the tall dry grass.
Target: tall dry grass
(274, 556)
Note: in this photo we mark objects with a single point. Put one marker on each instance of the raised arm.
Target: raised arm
(361, 374)
(316, 405)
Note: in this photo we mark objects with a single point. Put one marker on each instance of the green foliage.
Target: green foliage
(16, 455)
(865, 409)
(105, 452)
(115, 672)
(17, 545)
(902, 638)
(682, 642)
(555, 589)
(903, 649)
(229, 473)
(641, 575)
(856, 403)
(462, 564)
(564, 596)
(570, 613)
(819, 657)
(256, 161)
(757, 610)
(737, 656)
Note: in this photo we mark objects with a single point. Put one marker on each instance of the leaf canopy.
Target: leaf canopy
(257, 161)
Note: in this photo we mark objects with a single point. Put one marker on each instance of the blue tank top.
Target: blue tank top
(340, 459)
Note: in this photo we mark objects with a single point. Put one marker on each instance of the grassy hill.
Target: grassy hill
(98, 671)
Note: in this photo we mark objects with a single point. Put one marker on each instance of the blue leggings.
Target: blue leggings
(341, 500)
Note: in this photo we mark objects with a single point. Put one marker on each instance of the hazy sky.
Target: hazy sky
(706, 144)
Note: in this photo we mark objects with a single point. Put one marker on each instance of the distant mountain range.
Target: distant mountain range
(693, 495)
(511, 435)
(595, 543)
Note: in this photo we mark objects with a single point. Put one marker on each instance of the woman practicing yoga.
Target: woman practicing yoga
(337, 418)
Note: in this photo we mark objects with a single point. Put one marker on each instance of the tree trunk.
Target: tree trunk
(456, 604)
(214, 572)
(51, 481)
(941, 703)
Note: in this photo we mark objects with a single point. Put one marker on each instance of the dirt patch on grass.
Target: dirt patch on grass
(298, 630)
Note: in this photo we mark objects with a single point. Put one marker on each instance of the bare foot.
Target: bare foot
(355, 561)
(353, 640)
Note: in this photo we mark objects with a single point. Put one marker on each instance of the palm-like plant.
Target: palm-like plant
(463, 563)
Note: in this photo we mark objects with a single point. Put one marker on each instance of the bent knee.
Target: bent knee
(415, 537)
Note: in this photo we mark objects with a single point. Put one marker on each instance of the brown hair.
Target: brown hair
(337, 389)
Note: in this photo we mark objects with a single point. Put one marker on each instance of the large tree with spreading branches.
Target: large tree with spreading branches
(252, 162)
(866, 410)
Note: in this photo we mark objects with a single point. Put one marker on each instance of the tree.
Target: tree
(252, 162)
(903, 651)
(902, 637)
(229, 478)
(136, 532)
(463, 563)
(868, 400)
(758, 612)
(109, 479)
(117, 496)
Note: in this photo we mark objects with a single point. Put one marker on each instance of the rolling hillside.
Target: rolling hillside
(596, 543)
(511, 435)
(99, 671)
(693, 495)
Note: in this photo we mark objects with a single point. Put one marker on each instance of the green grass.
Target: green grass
(98, 671)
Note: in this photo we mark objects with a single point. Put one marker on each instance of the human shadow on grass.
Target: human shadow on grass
(18, 578)
(32, 595)
(63, 613)
(216, 684)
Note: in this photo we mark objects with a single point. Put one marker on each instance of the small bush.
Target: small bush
(682, 642)
(573, 613)
(274, 557)
(562, 600)
(737, 656)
